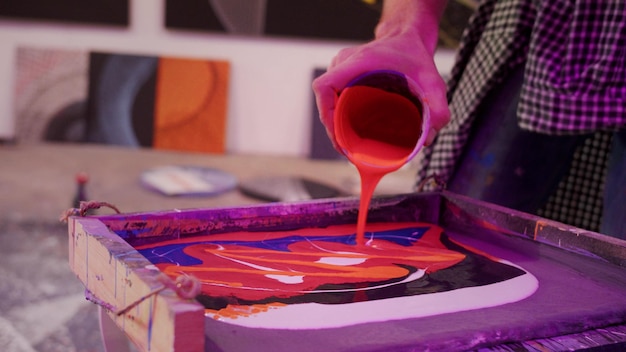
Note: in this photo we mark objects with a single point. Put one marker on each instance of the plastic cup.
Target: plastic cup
(381, 120)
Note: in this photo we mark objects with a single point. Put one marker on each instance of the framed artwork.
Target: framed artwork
(99, 12)
(160, 102)
(115, 98)
(318, 19)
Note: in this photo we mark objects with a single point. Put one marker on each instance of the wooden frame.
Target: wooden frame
(116, 276)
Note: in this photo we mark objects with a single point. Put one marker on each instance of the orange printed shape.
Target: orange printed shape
(191, 105)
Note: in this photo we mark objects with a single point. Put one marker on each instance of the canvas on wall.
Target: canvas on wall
(50, 92)
(113, 98)
(165, 103)
(320, 19)
(353, 20)
(100, 12)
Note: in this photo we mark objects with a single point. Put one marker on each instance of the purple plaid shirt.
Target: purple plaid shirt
(576, 68)
(574, 52)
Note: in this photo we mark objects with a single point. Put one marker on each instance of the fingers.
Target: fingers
(393, 55)
(435, 98)
(325, 97)
(439, 117)
(328, 86)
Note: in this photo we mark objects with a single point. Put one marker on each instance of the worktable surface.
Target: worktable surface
(38, 181)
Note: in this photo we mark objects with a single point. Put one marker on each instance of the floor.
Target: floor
(43, 306)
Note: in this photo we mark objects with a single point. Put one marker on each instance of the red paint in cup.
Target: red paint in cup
(379, 125)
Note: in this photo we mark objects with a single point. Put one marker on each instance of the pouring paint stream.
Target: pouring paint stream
(378, 126)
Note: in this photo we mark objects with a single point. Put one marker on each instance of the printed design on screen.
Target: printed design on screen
(406, 270)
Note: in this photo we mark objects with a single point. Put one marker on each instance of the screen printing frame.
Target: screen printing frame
(102, 255)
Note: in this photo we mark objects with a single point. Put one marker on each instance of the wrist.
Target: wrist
(411, 20)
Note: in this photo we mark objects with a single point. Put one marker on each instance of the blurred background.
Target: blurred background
(171, 80)
(63, 64)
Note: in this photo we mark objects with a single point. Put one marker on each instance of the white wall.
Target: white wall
(270, 99)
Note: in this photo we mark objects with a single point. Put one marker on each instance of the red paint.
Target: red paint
(378, 132)
(246, 272)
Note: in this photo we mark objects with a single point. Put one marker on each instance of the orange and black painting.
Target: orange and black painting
(160, 102)
(148, 101)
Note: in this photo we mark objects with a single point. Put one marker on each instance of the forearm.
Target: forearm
(413, 18)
